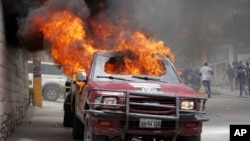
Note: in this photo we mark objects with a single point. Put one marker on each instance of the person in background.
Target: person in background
(206, 72)
(235, 67)
(230, 74)
(243, 68)
(248, 76)
(241, 79)
(191, 78)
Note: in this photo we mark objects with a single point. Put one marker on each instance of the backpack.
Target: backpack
(241, 75)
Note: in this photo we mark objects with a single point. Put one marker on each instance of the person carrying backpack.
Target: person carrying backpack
(248, 76)
(241, 79)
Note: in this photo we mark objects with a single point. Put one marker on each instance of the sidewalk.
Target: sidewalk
(42, 124)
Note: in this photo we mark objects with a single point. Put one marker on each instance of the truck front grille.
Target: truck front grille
(152, 105)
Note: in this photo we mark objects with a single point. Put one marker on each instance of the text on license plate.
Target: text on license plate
(149, 123)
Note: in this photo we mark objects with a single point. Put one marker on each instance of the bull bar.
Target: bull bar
(177, 116)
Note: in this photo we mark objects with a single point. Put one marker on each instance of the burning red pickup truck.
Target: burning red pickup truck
(117, 106)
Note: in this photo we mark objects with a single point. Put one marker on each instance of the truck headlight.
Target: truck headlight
(98, 100)
(109, 100)
(187, 105)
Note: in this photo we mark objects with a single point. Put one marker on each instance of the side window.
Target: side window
(51, 69)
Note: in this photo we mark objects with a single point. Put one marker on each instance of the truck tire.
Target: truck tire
(51, 93)
(68, 119)
(68, 114)
(78, 129)
(89, 136)
(191, 138)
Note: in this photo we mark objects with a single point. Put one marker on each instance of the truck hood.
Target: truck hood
(168, 88)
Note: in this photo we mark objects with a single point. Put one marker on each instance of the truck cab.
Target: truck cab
(111, 104)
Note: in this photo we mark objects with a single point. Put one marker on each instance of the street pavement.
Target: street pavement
(226, 91)
(45, 124)
(225, 108)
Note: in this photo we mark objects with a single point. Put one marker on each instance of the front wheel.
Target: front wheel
(90, 136)
(68, 119)
(78, 129)
(68, 114)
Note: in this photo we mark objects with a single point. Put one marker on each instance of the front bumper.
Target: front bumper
(174, 124)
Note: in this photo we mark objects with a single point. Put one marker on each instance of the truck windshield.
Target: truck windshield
(107, 65)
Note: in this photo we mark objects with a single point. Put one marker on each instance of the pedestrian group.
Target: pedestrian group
(242, 77)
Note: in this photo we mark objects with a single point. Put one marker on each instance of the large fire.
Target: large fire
(73, 41)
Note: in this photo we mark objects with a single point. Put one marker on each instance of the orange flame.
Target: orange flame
(73, 44)
(66, 34)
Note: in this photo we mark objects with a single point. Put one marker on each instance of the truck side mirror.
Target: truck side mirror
(68, 84)
(81, 76)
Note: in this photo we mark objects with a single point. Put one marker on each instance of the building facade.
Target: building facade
(14, 95)
(218, 34)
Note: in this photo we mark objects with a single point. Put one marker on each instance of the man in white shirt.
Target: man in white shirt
(206, 72)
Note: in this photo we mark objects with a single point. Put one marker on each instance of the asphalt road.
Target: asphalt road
(45, 124)
(223, 111)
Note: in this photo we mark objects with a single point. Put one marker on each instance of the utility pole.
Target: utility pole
(37, 86)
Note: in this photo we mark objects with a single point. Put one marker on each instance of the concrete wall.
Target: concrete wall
(14, 97)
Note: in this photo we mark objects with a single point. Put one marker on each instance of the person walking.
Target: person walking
(231, 75)
(248, 76)
(206, 72)
(241, 79)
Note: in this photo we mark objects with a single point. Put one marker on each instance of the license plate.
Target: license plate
(150, 123)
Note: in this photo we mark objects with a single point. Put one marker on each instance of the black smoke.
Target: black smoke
(14, 9)
(182, 24)
(18, 12)
(145, 14)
